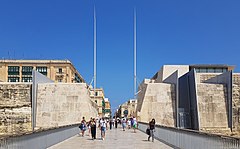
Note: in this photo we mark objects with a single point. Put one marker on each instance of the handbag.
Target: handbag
(148, 131)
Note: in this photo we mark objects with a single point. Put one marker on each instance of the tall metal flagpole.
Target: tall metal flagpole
(135, 54)
(95, 51)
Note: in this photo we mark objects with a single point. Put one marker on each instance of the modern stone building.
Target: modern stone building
(200, 97)
(21, 70)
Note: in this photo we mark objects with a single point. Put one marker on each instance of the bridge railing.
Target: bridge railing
(190, 139)
(39, 139)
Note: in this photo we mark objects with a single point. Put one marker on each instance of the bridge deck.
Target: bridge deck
(115, 138)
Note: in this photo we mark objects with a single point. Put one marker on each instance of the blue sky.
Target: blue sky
(168, 32)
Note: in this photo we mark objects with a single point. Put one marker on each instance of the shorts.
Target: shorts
(134, 126)
(103, 129)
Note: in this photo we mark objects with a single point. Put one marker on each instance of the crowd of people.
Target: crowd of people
(103, 124)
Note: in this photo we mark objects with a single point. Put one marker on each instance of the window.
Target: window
(96, 101)
(13, 79)
(26, 79)
(218, 70)
(77, 78)
(59, 80)
(203, 70)
(224, 70)
(27, 70)
(197, 69)
(96, 93)
(13, 70)
(211, 70)
(60, 70)
(42, 70)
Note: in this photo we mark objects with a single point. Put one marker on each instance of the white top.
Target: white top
(134, 121)
(129, 122)
(103, 123)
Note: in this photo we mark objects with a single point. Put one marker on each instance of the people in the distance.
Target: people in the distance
(152, 129)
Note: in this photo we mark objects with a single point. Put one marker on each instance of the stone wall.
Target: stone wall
(15, 108)
(236, 107)
(157, 101)
(212, 105)
(63, 104)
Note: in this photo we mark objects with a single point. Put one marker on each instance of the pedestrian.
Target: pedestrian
(134, 124)
(83, 126)
(129, 123)
(116, 123)
(152, 129)
(93, 128)
(103, 127)
(110, 124)
(123, 124)
(88, 126)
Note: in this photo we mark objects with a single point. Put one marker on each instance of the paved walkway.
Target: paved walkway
(115, 139)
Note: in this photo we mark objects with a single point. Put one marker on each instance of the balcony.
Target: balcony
(59, 74)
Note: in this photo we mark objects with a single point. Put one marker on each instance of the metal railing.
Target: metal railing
(40, 139)
(190, 139)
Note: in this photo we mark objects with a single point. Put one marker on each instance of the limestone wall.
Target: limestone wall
(15, 108)
(63, 104)
(212, 105)
(157, 101)
(236, 107)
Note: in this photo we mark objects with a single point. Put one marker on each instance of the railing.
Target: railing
(40, 139)
(190, 139)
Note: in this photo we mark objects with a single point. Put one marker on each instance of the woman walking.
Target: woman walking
(152, 128)
(103, 126)
(123, 124)
(93, 128)
(134, 124)
(83, 126)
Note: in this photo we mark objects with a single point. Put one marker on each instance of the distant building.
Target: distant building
(56, 70)
(123, 110)
(128, 109)
(98, 97)
(132, 106)
(107, 108)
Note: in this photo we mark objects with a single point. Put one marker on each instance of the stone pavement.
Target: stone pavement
(115, 139)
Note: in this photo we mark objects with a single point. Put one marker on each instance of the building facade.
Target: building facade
(56, 70)
(199, 97)
(128, 109)
(98, 97)
(107, 108)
